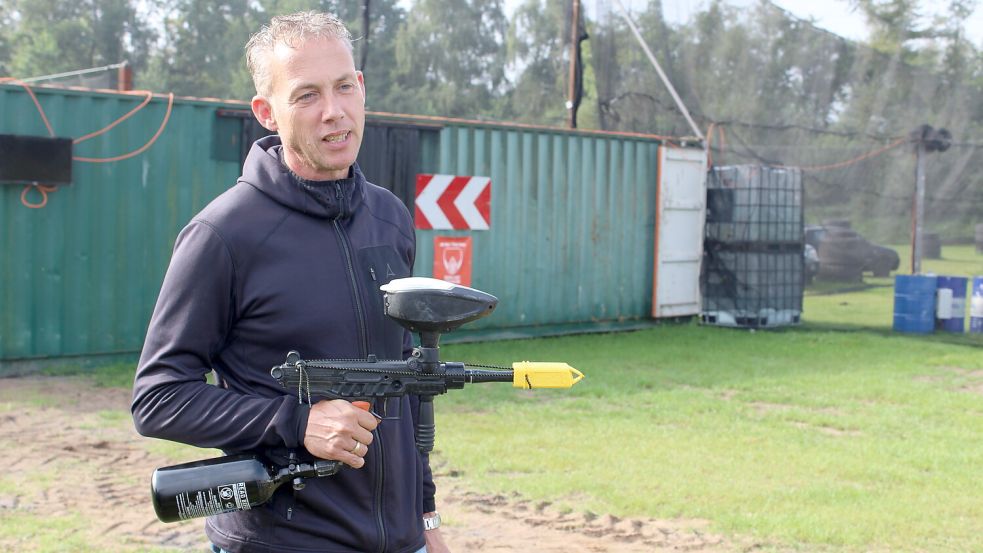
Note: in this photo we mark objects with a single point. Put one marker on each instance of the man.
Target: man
(292, 257)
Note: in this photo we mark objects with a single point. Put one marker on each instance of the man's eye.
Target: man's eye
(305, 97)
(347, 87)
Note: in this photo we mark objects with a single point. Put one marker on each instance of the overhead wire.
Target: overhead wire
(898, 141)
(829, 184)
(795, 126)
(847, 163)
(753, 155)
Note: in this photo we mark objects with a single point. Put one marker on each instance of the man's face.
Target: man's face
(317, 106)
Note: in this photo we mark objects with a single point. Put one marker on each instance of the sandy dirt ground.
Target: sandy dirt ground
(69, 453)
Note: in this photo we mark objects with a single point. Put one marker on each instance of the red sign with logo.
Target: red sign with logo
(452, 259)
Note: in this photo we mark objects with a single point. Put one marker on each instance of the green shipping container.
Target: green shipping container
(570, 242)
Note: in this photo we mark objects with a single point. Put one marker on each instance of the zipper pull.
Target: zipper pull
(290, 513)
(372, 272)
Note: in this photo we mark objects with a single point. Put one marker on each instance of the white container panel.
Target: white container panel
(679, 230)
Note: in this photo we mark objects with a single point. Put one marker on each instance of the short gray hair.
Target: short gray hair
(291, 30)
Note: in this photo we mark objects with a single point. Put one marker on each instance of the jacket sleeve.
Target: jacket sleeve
(191, 322)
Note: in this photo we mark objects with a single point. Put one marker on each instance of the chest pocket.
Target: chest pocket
(378, 265)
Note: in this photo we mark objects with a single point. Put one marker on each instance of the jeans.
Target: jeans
(217, 549)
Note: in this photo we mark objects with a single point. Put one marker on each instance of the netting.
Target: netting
(767, 88)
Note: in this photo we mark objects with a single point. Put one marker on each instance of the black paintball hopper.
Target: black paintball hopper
(429, 305)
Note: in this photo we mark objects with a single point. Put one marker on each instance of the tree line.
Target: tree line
(777, 89)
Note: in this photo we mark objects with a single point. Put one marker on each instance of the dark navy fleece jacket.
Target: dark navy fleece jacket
(277, 264)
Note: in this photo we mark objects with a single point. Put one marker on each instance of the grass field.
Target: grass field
(824, 438)
(836, 435)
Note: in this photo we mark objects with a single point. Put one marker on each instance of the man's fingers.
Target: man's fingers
(356, 455)
(359, 449)
(362, 435)
(353, 461)
(367, 420)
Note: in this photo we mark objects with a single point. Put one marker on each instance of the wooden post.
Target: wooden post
(124, 77)
(918, 209)
(574, 47)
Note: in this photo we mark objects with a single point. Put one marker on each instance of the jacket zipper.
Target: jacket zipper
(380, 478)
(346, 246)
(364, 340)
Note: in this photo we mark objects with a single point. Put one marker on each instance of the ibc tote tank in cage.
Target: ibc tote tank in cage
(752, 273)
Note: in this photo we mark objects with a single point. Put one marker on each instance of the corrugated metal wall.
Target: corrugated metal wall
(570, 238)
(81, 275)
(571, 227)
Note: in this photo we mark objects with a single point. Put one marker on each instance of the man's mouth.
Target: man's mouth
(340, 137)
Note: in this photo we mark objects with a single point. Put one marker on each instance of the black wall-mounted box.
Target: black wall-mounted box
(35, 159)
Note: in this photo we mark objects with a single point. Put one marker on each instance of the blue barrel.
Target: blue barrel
(976, 307)
(914, 303)
(951, 317)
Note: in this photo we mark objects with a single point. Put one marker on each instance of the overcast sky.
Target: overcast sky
(832, 15)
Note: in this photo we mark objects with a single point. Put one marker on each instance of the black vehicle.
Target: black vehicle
(844, 255)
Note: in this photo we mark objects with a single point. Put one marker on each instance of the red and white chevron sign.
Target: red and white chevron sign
(453, 202)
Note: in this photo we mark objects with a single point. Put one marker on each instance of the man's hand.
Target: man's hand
(339, 431)
(435, 541)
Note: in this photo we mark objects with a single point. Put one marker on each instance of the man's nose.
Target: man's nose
(332, 110)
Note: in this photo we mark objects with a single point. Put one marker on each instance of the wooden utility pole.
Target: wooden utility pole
(918, 209)
(574, 59)
(926, 140)
(366, 19)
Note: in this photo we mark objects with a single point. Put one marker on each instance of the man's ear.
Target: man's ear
(263, 111)
(361, 83)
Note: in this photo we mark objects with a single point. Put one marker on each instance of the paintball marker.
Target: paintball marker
(425, 306)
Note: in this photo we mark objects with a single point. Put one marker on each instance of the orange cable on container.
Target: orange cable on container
(44, 190)
(145, 101)
(140, 150)
(34, 99)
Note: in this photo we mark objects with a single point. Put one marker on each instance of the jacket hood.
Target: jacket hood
(264, 171)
